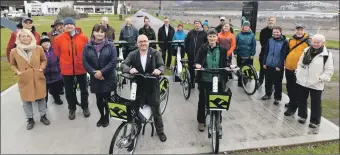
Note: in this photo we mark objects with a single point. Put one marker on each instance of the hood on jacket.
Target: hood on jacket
(283, 37)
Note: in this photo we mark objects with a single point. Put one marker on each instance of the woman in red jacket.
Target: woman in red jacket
(27, 23)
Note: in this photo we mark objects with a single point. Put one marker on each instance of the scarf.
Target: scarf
(98, 46)
(310, 54)
(25, 51)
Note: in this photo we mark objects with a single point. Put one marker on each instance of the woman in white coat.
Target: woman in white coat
(315, 67)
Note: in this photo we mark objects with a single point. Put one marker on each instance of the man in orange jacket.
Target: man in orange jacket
(68, 46)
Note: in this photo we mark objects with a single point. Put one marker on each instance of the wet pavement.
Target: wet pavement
(250, 123)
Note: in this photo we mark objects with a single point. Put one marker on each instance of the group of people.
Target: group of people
(62, 58)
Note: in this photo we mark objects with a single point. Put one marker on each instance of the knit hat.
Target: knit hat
(44, 38)
(205, 23)
(69, 20)
(24, 19)
(299, 26)
(246, 23)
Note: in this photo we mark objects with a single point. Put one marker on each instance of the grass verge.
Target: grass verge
(43, 24)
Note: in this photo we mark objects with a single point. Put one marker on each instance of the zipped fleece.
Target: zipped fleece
(275, 52)
(193, 41)
(245, 44)
(70, 50)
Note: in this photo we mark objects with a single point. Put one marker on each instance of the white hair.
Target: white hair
(319, 37)
(105, 18)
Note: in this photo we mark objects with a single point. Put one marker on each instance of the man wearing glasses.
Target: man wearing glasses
(27, 23)
(146, 60)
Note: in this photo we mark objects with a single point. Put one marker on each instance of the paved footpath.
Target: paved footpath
(250, 123)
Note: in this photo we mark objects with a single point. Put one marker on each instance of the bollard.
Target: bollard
(120, 17)
(156, 14)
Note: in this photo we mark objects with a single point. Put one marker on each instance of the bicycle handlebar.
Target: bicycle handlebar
(145, 76)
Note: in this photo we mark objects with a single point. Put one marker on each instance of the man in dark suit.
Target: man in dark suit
(166, 33)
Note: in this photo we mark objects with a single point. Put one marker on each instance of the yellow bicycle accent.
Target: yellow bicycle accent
(118, 110)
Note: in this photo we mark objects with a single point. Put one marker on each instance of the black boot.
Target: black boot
(266, 97)
(72, 114)
(100, 122)
(30, 124)
(86, 112)
(289, 112)
(106, 121)
(162, 136)
(44, 120)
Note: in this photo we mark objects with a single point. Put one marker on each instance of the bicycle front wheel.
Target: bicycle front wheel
(215, 131)
(164, 94)
(186, 83)
(249, 79)
(124, 141)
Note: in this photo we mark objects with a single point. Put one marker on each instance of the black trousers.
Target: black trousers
(316, 108)
(167, 50)
(262, 70)
(274, 77)
(292, 89)
(71, 92)
(102, 104)
(204, 87)
(192, 72)
(239, 63)
(54, 89)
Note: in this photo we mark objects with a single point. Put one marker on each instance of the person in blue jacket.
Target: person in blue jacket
(245, 47)
(179, 35)
(273, 63)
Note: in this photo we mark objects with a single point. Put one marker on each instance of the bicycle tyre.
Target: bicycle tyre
(215, 141)
(115, 136)
(254, 73)
(165, 81)
(187, 80)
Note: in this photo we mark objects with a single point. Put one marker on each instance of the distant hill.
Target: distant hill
(237, 5)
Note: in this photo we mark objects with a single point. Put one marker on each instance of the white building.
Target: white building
(88, 6)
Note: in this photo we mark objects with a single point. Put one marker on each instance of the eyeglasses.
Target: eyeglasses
(143, 41)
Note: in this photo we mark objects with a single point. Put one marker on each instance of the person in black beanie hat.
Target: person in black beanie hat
(195, 38)
(52, 73)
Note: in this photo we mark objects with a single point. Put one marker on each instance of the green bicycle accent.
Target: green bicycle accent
(118, 110)
(218, 101)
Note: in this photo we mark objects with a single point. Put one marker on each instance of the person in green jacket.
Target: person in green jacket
(245, 47)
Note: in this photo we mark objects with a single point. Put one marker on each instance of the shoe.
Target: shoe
(106, 121)
(62, 92)
(86, 112)
(30, 124)
(259, 85)
(59, 102)
(312, 125)
(193, 86)
(72, 114)
(276, 102)
(44, 120)
(302, 120)
(289, 112)
(265, 97)
(100, 122)
(162, 137)
(201, 127)
(287, 104)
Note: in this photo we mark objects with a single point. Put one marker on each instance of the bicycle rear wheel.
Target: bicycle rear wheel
(186, 83)
(249, 79)
(164, 94)
(215, 131)
(122, 144)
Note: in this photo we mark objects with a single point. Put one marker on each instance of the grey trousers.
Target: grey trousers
(28, 108)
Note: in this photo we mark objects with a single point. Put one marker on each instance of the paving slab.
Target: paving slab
(250, 123)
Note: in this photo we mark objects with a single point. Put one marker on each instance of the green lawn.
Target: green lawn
(43, 24)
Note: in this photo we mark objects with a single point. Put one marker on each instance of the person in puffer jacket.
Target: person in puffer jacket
(54, 79)
(315, 67)
(69, 46)
(179, 35)
(245, 47)
(273, 63)
(129, 34)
